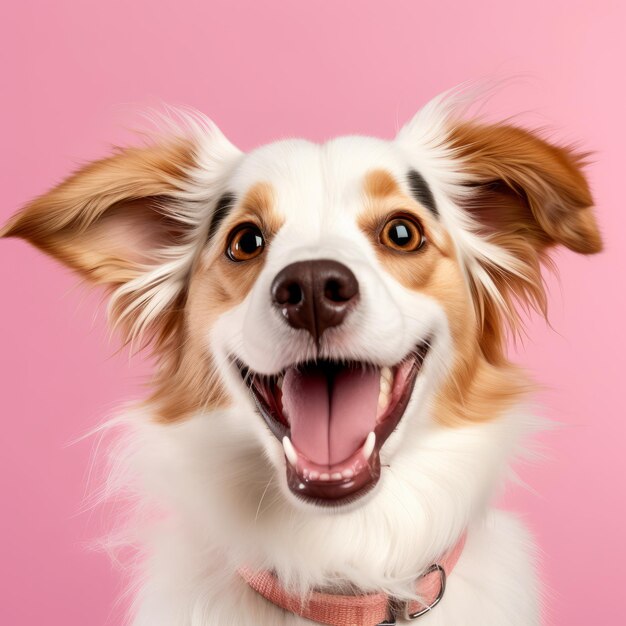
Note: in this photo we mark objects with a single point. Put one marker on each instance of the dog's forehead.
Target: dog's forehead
(318, 183)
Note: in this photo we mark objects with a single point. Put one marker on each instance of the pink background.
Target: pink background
(72, 73)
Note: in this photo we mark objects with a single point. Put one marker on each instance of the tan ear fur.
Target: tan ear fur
(538, 188)
(525, 196)
(103, 220)
(126, 222)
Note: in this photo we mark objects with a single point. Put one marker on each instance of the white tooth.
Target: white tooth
(386, 374)
(368, 446)
(348, 473)
(324, 477)
(290, 451)
(314, 475)
(279, 382)
(383, 399)
(336, 476)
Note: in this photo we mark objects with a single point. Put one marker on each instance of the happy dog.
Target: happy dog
(332, 406)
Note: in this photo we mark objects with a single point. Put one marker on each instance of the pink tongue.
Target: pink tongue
(330, 414)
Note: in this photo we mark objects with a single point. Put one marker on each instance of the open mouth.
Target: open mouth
(333, 418)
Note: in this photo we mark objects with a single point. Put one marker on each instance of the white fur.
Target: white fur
(225, 510)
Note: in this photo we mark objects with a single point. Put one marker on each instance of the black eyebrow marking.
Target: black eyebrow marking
(421, 191)
(222, 209)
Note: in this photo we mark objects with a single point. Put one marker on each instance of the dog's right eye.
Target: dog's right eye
(245, 242)
(402, 233)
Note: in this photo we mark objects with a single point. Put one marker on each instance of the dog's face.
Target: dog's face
(344, 290)
(348, 292)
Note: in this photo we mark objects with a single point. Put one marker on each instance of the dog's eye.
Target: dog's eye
(402, 233)
(245, 242)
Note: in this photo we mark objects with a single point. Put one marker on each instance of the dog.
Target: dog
(332, 407)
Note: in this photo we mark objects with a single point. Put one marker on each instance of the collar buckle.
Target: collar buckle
(404, 607)
(435, 567)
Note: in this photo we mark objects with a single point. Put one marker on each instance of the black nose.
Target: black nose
(315, 295)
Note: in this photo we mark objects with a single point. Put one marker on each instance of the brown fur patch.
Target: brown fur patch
(260, 202)
(475, 389)
(433, 269)
(216, 286)
(380, 184)
(479, 391)
(231, 281)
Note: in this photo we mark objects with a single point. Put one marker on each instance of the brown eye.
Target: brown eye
(402, 233)
(245, 243)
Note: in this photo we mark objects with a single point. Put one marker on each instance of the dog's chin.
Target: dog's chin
(333, 418)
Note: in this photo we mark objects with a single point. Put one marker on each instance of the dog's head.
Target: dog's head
(348, 291)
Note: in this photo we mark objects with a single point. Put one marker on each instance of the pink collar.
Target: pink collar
(374, 609)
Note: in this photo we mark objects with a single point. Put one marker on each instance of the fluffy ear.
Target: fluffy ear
(526, 187)
(131, 222)
(524, 196)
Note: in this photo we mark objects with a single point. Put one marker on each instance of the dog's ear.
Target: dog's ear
(515, 197)
(525, 187)
(524, 196)
(131, 222)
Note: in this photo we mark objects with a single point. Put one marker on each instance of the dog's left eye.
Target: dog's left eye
(402, 233)
(245, 242)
